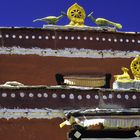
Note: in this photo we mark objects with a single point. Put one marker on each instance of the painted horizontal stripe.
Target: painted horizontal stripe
(110, 138)
(46, 113)
(69, 52)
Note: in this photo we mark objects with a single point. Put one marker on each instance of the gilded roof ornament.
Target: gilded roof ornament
(76, 14)
(104, 22)
(125, 77)
(124, 81)
(135, 67)
(52, 20)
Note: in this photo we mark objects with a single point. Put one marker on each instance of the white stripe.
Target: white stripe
(110, 139)
(69, 52)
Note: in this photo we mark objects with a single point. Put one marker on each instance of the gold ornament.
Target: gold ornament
(135, 67)
(77, 15)
(125, 77)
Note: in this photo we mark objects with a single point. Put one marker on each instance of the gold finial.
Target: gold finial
(123, 77)
(135, 67)
(76, 14)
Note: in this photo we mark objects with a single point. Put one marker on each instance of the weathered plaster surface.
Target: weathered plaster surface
(69, 52)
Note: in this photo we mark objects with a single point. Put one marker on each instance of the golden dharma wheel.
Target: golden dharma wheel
(135, 67)
(76, 14)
